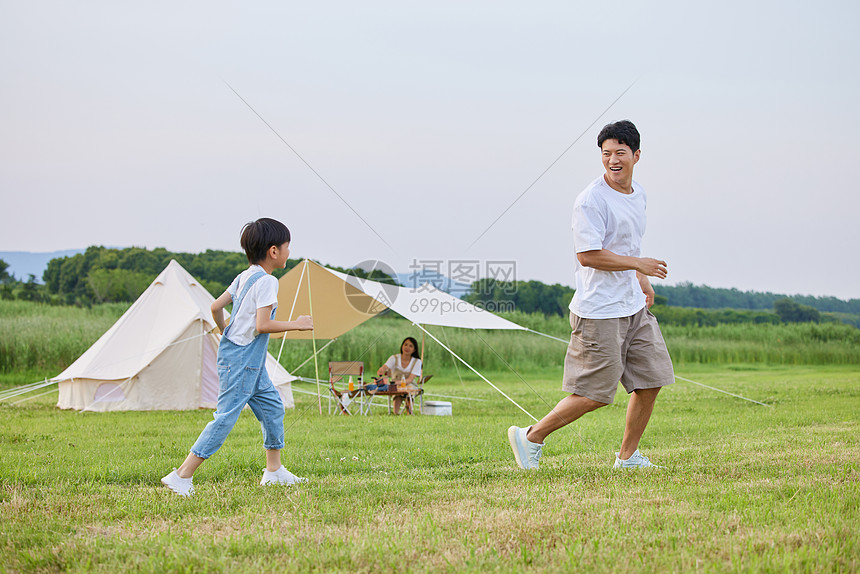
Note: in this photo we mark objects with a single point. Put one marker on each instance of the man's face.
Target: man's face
(618, 160)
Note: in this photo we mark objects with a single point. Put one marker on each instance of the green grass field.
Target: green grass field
(746, 488)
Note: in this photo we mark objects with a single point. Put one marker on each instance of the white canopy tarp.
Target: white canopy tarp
(427, 305)
(339, 302)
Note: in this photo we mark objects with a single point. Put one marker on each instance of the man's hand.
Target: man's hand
(645, 284)
(652, 267)
(304, 323)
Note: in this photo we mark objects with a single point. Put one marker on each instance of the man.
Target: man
(615, 337)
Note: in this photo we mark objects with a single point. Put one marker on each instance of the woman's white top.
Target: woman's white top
(398, 370)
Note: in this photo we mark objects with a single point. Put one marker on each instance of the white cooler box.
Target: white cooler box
(438, 408)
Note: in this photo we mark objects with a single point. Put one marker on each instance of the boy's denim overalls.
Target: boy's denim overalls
(242, 379)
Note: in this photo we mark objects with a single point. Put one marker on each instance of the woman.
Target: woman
(403, 367)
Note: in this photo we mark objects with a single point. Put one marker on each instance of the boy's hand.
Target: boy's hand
(305, 323)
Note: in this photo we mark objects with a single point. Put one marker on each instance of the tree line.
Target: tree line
(106, 275)
(111, 275)
(537, 297)
(704, 297)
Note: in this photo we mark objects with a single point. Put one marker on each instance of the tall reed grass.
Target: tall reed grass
(36, 337)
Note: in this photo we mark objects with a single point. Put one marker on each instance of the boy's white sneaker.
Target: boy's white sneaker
(281, 476)
(526, 453)
(179, 485)
(636, 460)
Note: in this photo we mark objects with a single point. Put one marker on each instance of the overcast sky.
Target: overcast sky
(117, 127)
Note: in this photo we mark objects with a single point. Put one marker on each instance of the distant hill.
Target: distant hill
(437, 280)
(22, 264)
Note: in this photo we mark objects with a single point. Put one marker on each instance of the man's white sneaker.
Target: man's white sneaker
(281, 476)
(179, 485)
(636, 460)
(526, 453)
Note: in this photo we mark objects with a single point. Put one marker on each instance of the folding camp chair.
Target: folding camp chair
(337, 372)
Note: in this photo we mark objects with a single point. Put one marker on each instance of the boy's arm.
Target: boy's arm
(606, 260)
(218, 309)
(265, 324)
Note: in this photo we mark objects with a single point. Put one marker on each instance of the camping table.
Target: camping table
(409, 397)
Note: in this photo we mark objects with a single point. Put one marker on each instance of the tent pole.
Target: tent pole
(423, 355)
(314, 339)
(290, 317)
(475, 371)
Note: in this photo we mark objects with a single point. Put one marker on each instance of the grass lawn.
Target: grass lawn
(745, 488)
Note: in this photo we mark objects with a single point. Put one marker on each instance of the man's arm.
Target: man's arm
(606, 260)
(265, 324)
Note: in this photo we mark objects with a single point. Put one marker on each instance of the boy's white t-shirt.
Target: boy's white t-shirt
(413, 368)
(604, 218)
(261, 294)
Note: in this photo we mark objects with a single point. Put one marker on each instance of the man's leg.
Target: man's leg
(639, 411)
(527, 443)
(565, 412)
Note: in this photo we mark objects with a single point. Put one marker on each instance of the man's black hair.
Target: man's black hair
(258, 236)
(624, 131)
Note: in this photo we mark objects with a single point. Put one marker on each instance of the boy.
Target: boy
(615, 337)
(242, 372)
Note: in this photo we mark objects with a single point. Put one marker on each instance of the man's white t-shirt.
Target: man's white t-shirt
(396, 367)
(604, 218)
(261, 294)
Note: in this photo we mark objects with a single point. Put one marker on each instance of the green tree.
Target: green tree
(790, 311)
(31, 291)
(117, 285)
(4, 274)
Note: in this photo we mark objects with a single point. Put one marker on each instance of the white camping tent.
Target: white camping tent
(160, 355)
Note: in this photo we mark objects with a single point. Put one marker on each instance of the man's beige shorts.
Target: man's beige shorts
(603, 352)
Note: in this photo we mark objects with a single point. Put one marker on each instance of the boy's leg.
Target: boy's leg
(231, 401)
(189, 466)
(267, 406)
(273, 459)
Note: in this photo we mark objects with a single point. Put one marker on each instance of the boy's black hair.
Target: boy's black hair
(624, 131)
(415, 352)
(258, 236)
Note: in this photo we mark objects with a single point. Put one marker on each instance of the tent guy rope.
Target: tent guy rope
(429, 334)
